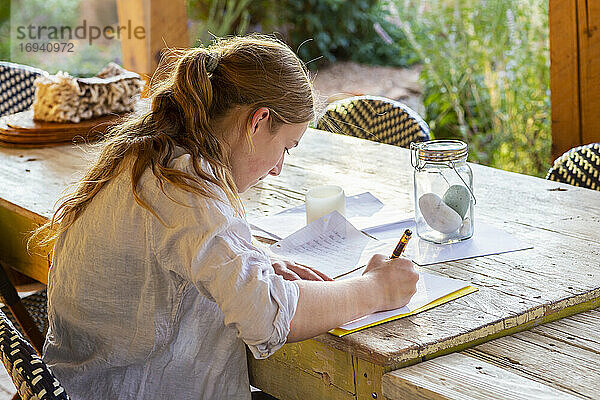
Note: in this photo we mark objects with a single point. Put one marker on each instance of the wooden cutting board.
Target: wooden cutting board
(22, 130)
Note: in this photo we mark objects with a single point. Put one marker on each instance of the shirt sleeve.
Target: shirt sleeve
(212, 248)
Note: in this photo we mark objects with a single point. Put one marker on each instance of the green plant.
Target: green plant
(4, 29)
(325, 30)
(39, 12)
(486, 76)
(344, 30)
(84, 60)
(219, 18)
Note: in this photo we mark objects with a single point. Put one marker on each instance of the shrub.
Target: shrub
(344, 30)
(324, 30)
(4, 29)
(485, 76)
(218, 18)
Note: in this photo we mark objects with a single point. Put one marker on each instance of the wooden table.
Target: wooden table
(559, 277)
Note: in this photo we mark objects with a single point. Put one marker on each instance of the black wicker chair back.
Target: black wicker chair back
(17, 91)
(375, 118)
(579, 166)
(31, 376)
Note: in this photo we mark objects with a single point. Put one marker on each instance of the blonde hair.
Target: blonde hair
(192, 90)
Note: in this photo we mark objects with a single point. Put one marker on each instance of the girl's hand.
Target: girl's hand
(395, 280)
(291, 271)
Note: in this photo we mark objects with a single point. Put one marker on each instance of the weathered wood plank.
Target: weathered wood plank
(589, 69)
(14, 230)
(555, 360)
(564, 76)
(332, 366)
(31, 181)
(382, 339)
(581, 330)
(574, 73)
(368, 380)
(288, 382)
(461, 377)
(135, 52)
(543, 358)
(34, 179)
(164, 24)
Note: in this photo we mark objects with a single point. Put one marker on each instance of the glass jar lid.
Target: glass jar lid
(440, 150)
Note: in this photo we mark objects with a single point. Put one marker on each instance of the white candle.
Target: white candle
(322, 200)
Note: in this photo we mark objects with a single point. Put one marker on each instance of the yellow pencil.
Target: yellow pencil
(401, 244)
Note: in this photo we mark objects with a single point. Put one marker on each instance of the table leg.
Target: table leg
(13, 251)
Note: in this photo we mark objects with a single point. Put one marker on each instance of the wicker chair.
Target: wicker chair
(375, 118)
(31, 376)
(579, 166)
(17, 91)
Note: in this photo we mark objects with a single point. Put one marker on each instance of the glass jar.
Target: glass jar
(443, 188)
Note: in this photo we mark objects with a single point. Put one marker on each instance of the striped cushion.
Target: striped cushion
(375, 118)
(31, 376)
(17, 91)
(579, 166)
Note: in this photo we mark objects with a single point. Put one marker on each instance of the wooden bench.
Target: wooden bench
(559, 360)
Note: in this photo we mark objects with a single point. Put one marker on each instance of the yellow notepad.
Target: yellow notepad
(432, 291)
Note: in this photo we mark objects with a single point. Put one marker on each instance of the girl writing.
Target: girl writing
(155, 288)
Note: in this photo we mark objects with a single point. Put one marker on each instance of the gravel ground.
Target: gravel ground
(344, 79)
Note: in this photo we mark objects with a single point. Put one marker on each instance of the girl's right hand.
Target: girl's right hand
(395, 280)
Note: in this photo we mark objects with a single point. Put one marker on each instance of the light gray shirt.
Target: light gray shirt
(138, 310)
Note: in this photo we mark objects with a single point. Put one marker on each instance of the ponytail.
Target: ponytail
(191, 89)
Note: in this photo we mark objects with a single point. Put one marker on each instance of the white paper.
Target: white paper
(360, 209)
(330, 244)
(279, 225)
(429, 288)
(369, 215)
(486, 240)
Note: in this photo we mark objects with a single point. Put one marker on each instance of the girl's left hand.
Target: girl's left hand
(291, 271)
